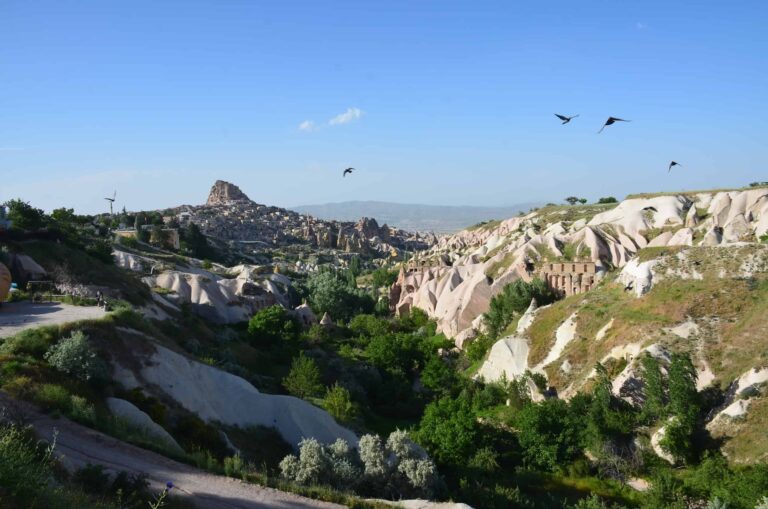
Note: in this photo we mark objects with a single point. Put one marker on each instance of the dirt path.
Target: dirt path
(17, 316)
(77, 445)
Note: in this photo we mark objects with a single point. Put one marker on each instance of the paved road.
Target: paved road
(77, 445)
(17, 316)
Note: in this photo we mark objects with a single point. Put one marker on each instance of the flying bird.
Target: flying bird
(611, 121)
(564, 118)
(673, 163)
(348, 170)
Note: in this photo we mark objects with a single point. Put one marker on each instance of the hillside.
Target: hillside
(230, 217)
(571, 357)
(413, 217)
(672, 273)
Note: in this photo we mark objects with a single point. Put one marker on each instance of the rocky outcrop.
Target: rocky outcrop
(216, 299)
(135, 417)
(223, 193)
(230, 216)
(459, 275)
(218, 396)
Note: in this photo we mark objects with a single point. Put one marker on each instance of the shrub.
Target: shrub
(339, 404)
(234, 466)
(24, 466)
(514, 299)
(53, 397)
(273, 324)
(398, 469)
(448, 430)
(383, 277)
(76, 357)
(608, 199)
(92, 478)
(332, 293)
(549, 434)
(303, 380)
(82, 411)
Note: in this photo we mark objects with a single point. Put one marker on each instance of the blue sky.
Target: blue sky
(436, 102)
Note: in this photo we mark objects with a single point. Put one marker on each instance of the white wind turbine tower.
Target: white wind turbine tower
(111, 202)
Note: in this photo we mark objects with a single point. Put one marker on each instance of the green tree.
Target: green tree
(339, 404)
(196, 242)
(607, 199)
(438, 376)
(572, 200)
(355, 266)
(303, 381)
(383, 277)
(273, 324)
(609, 417)
(368, 326)
(549, 433)
(331, 293)
(513, 300)
(683, 397)
(653, 388)
(683, 406)
(449, 430)
(24, 216)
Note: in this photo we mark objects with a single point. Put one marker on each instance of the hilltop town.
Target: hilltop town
(229, 216)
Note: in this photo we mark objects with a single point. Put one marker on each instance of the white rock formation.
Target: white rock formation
(656, 439)
(218, 396)
(639, 275)
(458, 291)
(604, 330)
(219, 300)
(130, 413)
(508, 358)
(564, 335)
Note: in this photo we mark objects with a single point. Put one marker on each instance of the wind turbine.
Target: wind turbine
(111, 201)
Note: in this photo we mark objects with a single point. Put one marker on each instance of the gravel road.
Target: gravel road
(77, 445)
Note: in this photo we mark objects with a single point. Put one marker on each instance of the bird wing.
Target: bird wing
(561, 117)
(620, 120)
(601, 129)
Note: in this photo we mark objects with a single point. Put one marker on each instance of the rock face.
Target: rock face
(230, 216)
(455, 279)
(216, 299)
(223, 192)
(134, 416)
(218, 396)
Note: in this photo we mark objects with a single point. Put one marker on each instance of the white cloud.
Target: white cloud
(307, 126)
(348, 116)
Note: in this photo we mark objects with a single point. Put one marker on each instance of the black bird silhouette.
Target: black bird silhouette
(673, 163)
(564, 118)
(629, 286)
(348, 170)
(611, 121)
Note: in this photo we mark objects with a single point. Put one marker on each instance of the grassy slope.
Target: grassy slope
(731, 311)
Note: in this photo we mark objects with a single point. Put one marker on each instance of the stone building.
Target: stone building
(569, 278)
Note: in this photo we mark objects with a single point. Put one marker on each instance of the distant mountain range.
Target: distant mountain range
(413, 217)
